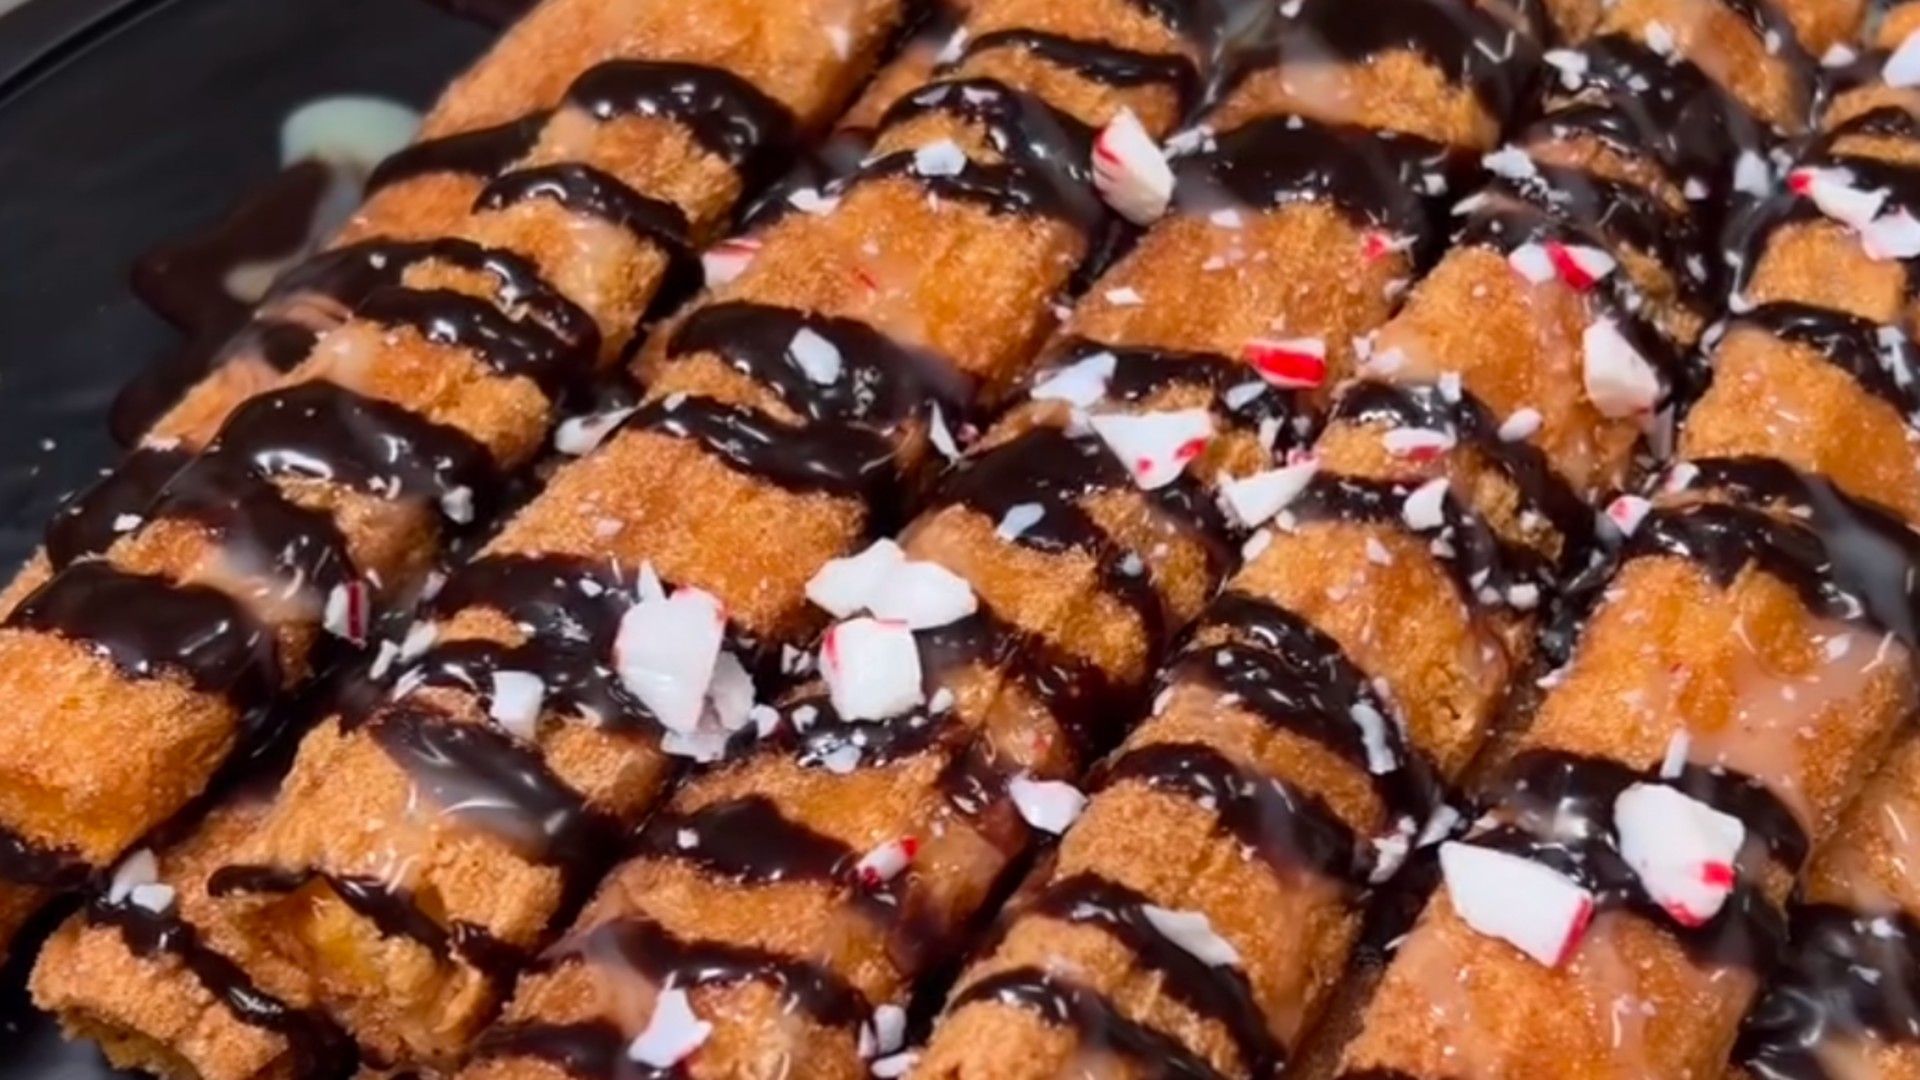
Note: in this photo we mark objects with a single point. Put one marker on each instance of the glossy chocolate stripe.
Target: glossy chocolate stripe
(1141, 372)
(501, 786)
(572, 676)
(509, 346)
(1849, 978)
(728, 116)
(317, 1047)
(147, 626)
(26, 861)
(1627, 213)
(1884, 369)
(563, 597)
(1216, 992)
(1098, 61)
(482, 152)
(1470, 45)
(1095, 1022)
(840, 460)
(748, 839)
(584, 1049)
(90, 522)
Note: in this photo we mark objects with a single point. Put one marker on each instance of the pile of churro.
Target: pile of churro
(1137, 538)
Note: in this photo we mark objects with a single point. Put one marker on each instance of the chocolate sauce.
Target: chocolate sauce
(584, 1049)
(512, 347)
(1848, 977)
(1216, 992)
(499, 786)
(1557, 809)
(1384, 179)
(149, 625)
(1627, 213)
(1288, 829)
(841, 460)
(1849, 343)
(1096, 1024)
(316, 1046)
(747, 839)
(91, 521)
(728, 116)
(1471, 46)
(393, 910)
(1142, 372)
(1540, 487)
(25, 861)
(1097, 61)
(583, 189)
(483, 152)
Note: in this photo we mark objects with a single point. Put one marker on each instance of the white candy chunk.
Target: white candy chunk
(137, 869)
(1255, 499)
(1531, 261)
(872, 668)
(1751, 175)
(889, 1028)
(516, 701)
(1421, 444)
(579, 435)
(457, 504)
(1048, 805)
(1675, 761)
(845, 586)
(923, 595)
(885, 861)
(1018, 519)
(730, 695)
(1682, 849)
(1424, 509)
(943, 158)
(1129, 171)
(1510, 162)
(816, 356)
(672, 1033)
(1373, 736)
(1191, 931)
(1155, 446)
(1832, 190)
(1893, 235)
(728, 259)
(665, 653)
(940, 435)
(1626, 513)
(1902, 68)
(1619, 381)
(894, 1066)
(1521, 425)
(153, 896)
(1080, 383)
(1517, 900)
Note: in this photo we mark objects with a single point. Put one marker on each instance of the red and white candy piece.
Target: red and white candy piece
(872, 668)
(1892, 235)
(672, 1033)
(1156, 446)
(1626, 513)
(1580, 266)
(728, 259)
(1191, 931)
(1130, 172)
(1521, 902)
(1833, 191)
(1254, 499)
(1417, 443)
(845, 586)
(884, 863)
(1289, 363)
(665, 653)
(882, 580)
(1619, 381)
(515, 702)
(1682, 849)
(349, 611)
(1048, 805)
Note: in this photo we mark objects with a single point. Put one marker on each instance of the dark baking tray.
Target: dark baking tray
(124, 124)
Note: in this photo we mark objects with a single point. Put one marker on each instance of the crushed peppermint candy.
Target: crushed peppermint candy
(1289, 363)
(348, 614)
(1417, 443)
(666, 651)
(894, 1065)
(1048, 805)
(1619, 381)
(1253, 500)
(815, 356)
(1521, 425)
(515, 702)
(672, 1034)
(885, 861)
(1833, 191)
(1193, 933)
(1130, 172)
(1523, 903)
(1627, 511)
(1018, 519)
(940, 435)
(728, 259)
(872, 668)
(154, 897)
(943, 158)
(1580, 265)
(137, 869)
(1425, 508)
(1081, 383)
(883, 581)
(845, 586)
(578, 436)
(1156, 447)
(1681, 849)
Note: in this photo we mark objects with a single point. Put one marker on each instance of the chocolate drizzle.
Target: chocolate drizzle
(728, 116)
(841, 460)
(91, 521)
(1848, 976)
(483, 152)
(316, 1045)
(1098, 61)
(1882, 367)
(1217, 992)
(1472, 46)
(1557, 809)
(1096, 1024)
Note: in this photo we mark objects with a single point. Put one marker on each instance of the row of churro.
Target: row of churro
(1203, 909)
(423, 843)
(1736, 671)
(1844, 1000)
(785, 904)
(328, 494)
